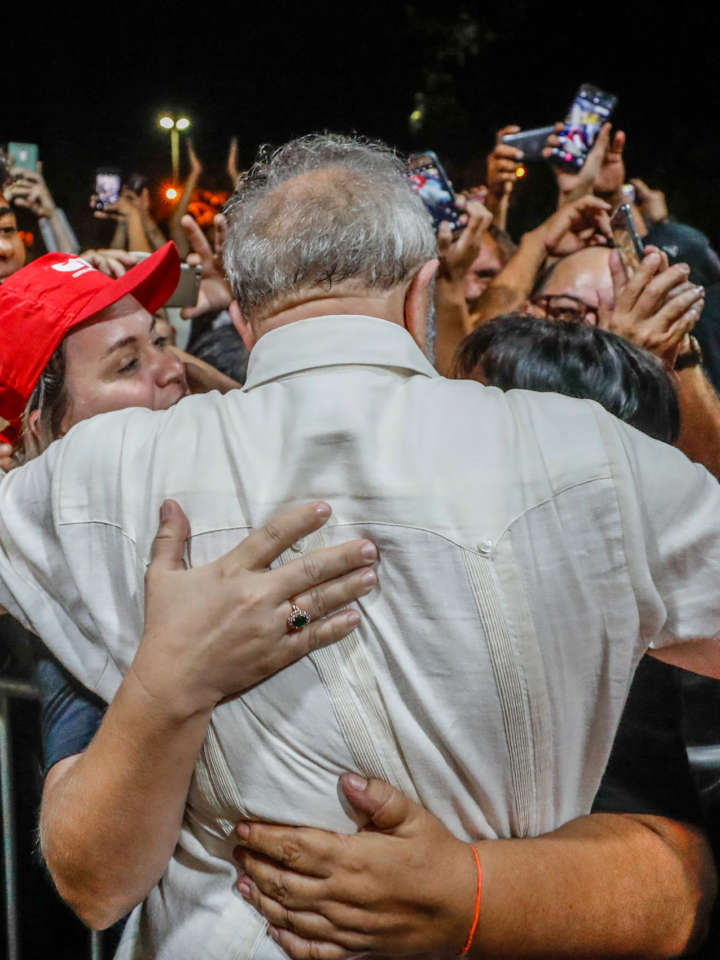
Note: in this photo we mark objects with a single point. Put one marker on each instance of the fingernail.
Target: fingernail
(275, 934)
(356, 781)
(243, 830)
(164, 511)
(369, 578)
(244, 888)
(323, 509)
(352, 619)
(369, 551)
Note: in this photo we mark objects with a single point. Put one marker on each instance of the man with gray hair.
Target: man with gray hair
(532, 549)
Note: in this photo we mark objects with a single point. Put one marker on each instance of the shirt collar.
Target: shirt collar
(330, 341)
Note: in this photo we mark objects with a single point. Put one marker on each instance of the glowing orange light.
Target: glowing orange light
(520, 172)
(171, 193)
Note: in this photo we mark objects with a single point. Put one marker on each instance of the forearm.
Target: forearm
(120, 236)
(153, 233)
(700, 418)
(111, 816)
(603, 886)
(452, 322)
(176, 231)
(64, 235)
(137, 240)
(511, 288)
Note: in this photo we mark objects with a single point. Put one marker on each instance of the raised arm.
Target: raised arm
(176, 232)
(111, 816)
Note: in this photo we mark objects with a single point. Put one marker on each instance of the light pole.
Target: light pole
(174, 126)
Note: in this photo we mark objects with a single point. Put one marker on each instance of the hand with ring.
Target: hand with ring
(213, 631)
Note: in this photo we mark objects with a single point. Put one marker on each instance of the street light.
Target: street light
(174, 125)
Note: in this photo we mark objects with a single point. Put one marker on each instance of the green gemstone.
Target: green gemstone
(299, 620)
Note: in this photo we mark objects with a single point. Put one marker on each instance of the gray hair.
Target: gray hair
(349, 215)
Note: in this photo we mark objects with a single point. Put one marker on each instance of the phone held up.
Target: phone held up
(108, 184)
(429, 180)
(590, 109)
(531, 142)
(24, 155)
(628, 242)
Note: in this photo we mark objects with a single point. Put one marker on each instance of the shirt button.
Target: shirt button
(298, 546)
(485, 547)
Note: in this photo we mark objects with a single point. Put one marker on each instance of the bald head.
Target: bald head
(584, 275)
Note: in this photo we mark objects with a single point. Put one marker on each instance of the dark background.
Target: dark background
(89, 87)
(88, 83)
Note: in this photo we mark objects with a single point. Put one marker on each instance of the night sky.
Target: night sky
(88, 85)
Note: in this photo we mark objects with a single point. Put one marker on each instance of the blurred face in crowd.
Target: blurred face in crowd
(484, 269)
(120, 360)
(12, 248)
(572, 292)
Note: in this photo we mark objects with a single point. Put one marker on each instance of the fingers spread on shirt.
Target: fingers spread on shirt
(265, 544)
(319, 567)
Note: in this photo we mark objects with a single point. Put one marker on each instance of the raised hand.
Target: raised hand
(581, 223)
(232, 162)
(215, 293)
(655, 308)
(652, 203)
(30, 191)
(196, 167)
(572, 186)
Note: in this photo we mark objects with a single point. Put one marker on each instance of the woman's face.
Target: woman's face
(120, 360)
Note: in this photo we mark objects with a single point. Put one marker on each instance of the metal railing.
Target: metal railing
(10, 689)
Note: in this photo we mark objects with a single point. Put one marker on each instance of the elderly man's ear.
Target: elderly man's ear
(417, 301)
(242, 326)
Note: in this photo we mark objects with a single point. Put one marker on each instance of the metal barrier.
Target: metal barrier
(27, 691)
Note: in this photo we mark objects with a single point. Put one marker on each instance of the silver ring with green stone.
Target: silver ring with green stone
(298, 618)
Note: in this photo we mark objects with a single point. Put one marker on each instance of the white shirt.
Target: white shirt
(531, 548)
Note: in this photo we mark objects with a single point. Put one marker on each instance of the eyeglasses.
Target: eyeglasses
(562, 306)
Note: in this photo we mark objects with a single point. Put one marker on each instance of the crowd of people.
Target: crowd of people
(371, 589)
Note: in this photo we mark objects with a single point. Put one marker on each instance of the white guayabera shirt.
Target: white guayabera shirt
(531, 549)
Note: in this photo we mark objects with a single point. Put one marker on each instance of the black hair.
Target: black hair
(224, 349)
(522, 351)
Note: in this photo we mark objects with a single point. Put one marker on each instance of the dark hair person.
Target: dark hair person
(525, 352)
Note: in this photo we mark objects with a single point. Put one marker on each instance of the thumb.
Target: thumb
(169, 544)
(387, 808)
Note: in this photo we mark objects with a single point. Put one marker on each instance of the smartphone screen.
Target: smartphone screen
(590, 109)
(23, 155)
(627, 239)
(429, 180)
(108, 184)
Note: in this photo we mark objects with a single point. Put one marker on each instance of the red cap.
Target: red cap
(42, 302)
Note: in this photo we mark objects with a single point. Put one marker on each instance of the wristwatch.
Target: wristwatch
(692, 357)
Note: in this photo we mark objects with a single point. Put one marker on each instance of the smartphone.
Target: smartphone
(108, 184)
(23, 155)
(188, 288)
(531, 142)
(429, 180)
(628, 242)
(590, 109)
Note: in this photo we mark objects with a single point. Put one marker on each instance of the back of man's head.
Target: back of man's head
(323, 215)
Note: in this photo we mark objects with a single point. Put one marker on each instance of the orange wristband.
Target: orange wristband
(473, 928)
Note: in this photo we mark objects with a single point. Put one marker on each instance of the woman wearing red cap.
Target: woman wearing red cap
(75, 343)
